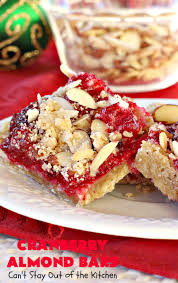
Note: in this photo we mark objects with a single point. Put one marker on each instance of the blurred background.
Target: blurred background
(131, 44)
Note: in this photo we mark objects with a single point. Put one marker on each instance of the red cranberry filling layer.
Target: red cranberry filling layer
(130, 122)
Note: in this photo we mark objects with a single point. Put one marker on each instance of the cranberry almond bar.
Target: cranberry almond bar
(80, 141)
(157, 159)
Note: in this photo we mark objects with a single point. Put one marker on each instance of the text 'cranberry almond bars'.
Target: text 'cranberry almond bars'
(80, 141)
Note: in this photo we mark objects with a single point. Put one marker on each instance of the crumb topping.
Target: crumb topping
(74, 140)
(74, 131)
(167, 137)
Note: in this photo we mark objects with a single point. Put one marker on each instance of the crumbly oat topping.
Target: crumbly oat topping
(78, 143)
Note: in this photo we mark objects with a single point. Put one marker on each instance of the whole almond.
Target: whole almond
(167, 113)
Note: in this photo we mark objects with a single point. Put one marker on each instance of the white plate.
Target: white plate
(147, 215)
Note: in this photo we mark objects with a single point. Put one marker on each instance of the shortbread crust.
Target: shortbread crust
(157, 159)
(155, 164)
(80, 141)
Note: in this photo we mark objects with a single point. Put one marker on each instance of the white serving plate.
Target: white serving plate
(147, 215)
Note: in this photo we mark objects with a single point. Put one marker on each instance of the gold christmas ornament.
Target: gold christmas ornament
(24, 32)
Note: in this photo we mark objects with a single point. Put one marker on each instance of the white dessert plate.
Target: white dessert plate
(145, 215)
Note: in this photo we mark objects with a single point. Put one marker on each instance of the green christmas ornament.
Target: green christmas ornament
(24, 32)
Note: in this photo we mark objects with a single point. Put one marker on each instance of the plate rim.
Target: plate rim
(128, 226)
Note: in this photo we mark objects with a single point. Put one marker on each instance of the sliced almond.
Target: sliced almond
(147, 51)
(102, 155)
(32, 115)
(172, 156)
(117, 99)
(171, 145)
(161, 127)
(39, 99)
(103, 94)
(127, 134)
(99, 140)
(67, 71)
(102, 103)
(175, 147)
(82, 97)
(163, 140)
(98, 43)
(86, 153)
(167, 113)
(99, 135)
(4, 128)
(63, 124)
(95, 32)
(63, 103)
(50, 105)
(73, 84)
(159, 30)
(80, 139)
(67, 114)
(61, 91)
(132, 38)
(64, 158)
(83, 122)
(144, 62)
(90, 61)
(98, 126)
(132, 60)
(116, 136)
